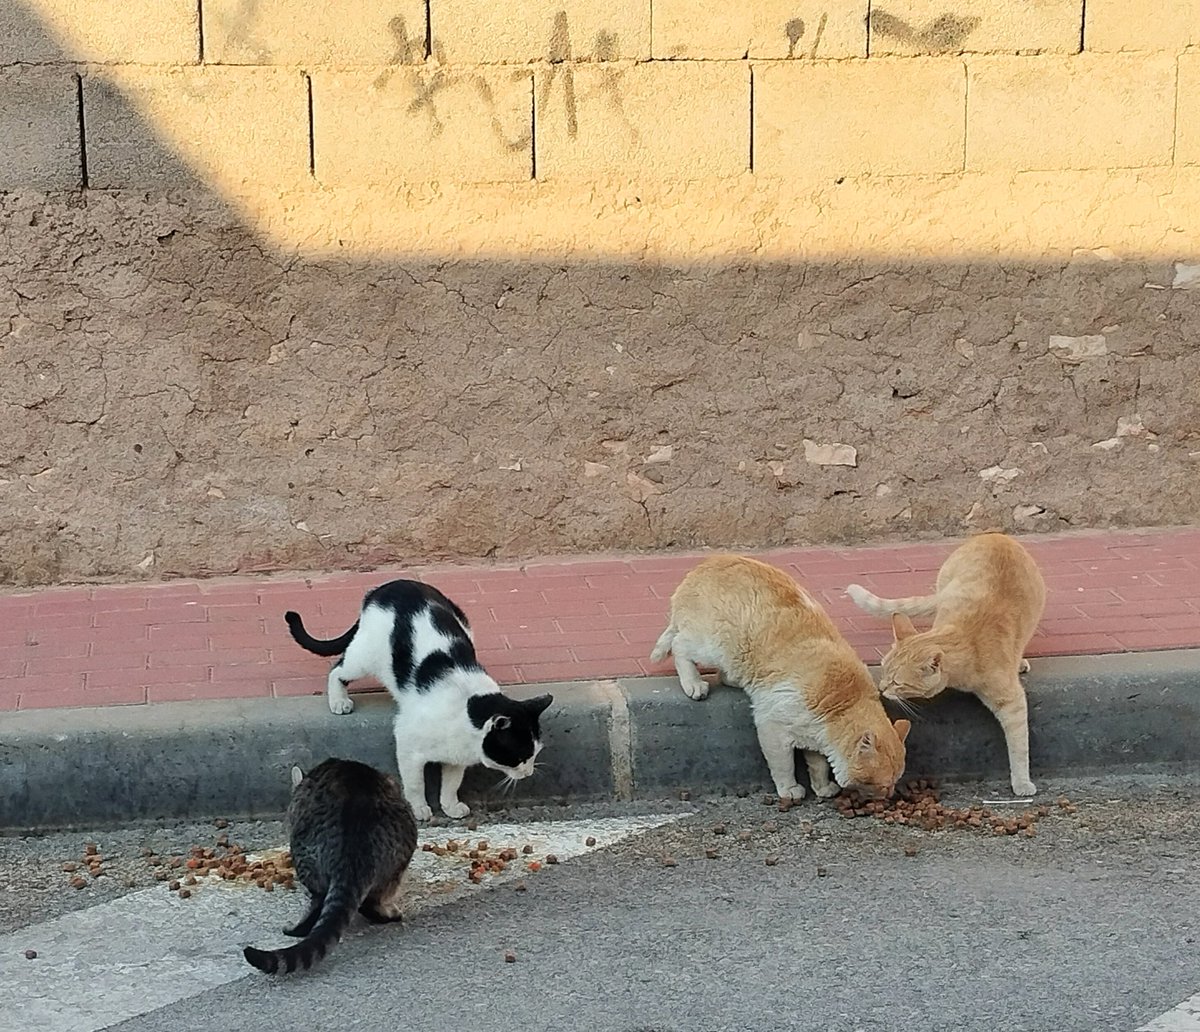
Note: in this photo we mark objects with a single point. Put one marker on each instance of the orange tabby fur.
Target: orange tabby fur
(988, 600)
(808, 689)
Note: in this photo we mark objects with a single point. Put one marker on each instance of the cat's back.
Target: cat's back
(990, 567)
(343, 807)
(748, 604)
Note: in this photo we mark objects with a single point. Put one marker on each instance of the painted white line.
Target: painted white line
(1184, 1018)
(130, 956)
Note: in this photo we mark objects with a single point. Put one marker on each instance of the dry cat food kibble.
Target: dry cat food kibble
(668, 861)
(551, 858)
(711, 854)
(78, 883)
(771, 861)
(31, 954)
(527, 849)
(510, 957)
(719, 829)
(590, 841)
(917, 805)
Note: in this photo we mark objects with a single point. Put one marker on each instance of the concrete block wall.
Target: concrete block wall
(291, 285)
(463, 91)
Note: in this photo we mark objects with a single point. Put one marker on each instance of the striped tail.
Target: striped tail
(334, 647)
(336, 913)
(915, 605)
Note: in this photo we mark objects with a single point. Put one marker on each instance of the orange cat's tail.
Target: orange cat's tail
(916, 605)
(662, 647)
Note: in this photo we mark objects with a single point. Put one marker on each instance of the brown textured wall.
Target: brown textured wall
(968, 273)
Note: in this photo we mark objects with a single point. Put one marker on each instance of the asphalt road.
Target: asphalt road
(1091, 925)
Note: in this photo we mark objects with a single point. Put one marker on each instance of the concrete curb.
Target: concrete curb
(618, 739)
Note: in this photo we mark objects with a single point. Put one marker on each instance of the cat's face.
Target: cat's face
(913, 667)
(512, 737)
(877, 762)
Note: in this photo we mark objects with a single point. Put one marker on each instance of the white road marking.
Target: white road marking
(1184, 1018)
(130, 956)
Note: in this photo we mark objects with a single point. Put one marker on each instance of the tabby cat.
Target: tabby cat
(352, 837)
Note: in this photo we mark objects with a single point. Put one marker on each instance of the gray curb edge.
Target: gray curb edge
(623, 739)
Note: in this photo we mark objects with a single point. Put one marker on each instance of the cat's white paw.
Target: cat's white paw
(456, 810)
(1023, 667)
(422, 812)
(827, 791)
(341, 706)
(698, 690)
(793, 792)
(1023, 787)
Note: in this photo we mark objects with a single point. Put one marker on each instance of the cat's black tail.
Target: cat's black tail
(336, 913)
(334, 647)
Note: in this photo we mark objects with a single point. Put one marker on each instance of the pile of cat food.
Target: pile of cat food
(485, 860)
(226, 860)
(918, 805)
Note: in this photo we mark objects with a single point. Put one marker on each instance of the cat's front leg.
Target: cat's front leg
(820, 775)
(412, 778)
(452, 776)
(1012, 711)
(779, 750)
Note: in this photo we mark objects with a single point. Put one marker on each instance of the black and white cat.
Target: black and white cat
(418, 643)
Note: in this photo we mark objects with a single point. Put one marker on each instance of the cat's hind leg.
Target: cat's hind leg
(779, 750)
(306, 923)
(382, 906)
(820, 775)
(685, 654)
(1023, 666)
(452, 776)
(339, 678)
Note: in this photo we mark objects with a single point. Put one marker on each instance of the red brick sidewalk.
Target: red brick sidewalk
(545, 621)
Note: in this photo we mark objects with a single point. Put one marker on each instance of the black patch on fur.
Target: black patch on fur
(512, 745)
(407, 599)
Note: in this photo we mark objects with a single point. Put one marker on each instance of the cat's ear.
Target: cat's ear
(935, 662)
(902, 627)
(902, 728)
(500, 722)
(866, 743)
(539, 705)
(297, 776)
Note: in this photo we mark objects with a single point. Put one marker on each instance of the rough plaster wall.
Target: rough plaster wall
(179, 399)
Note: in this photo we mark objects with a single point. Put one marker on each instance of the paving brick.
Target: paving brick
(604, 653)
(134, 659)
(288, 687)
(1147, 638)
(109, 644)
(98, 31)
(423, 125)
(32, 684)
(505, 674)
(517, 640)
(57, 623)
(235, 613)
(665, 120)
(52, 647)
(39, 124)
(702, 30)
(1076, 645)
(911, 27)
(225, 673)
(8, 699)
(162, 675)
(179, 636)
(1088, 111)
(534, 673)
(222, 127)
(294, 32)
(886, 116)
(187, 691)
(117, 695)
(1186, 622)
(38, 665)
(650, 607)
(478, 32)
(560, 653)
(1187, 122)
(573, 568)
(1168, 25)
